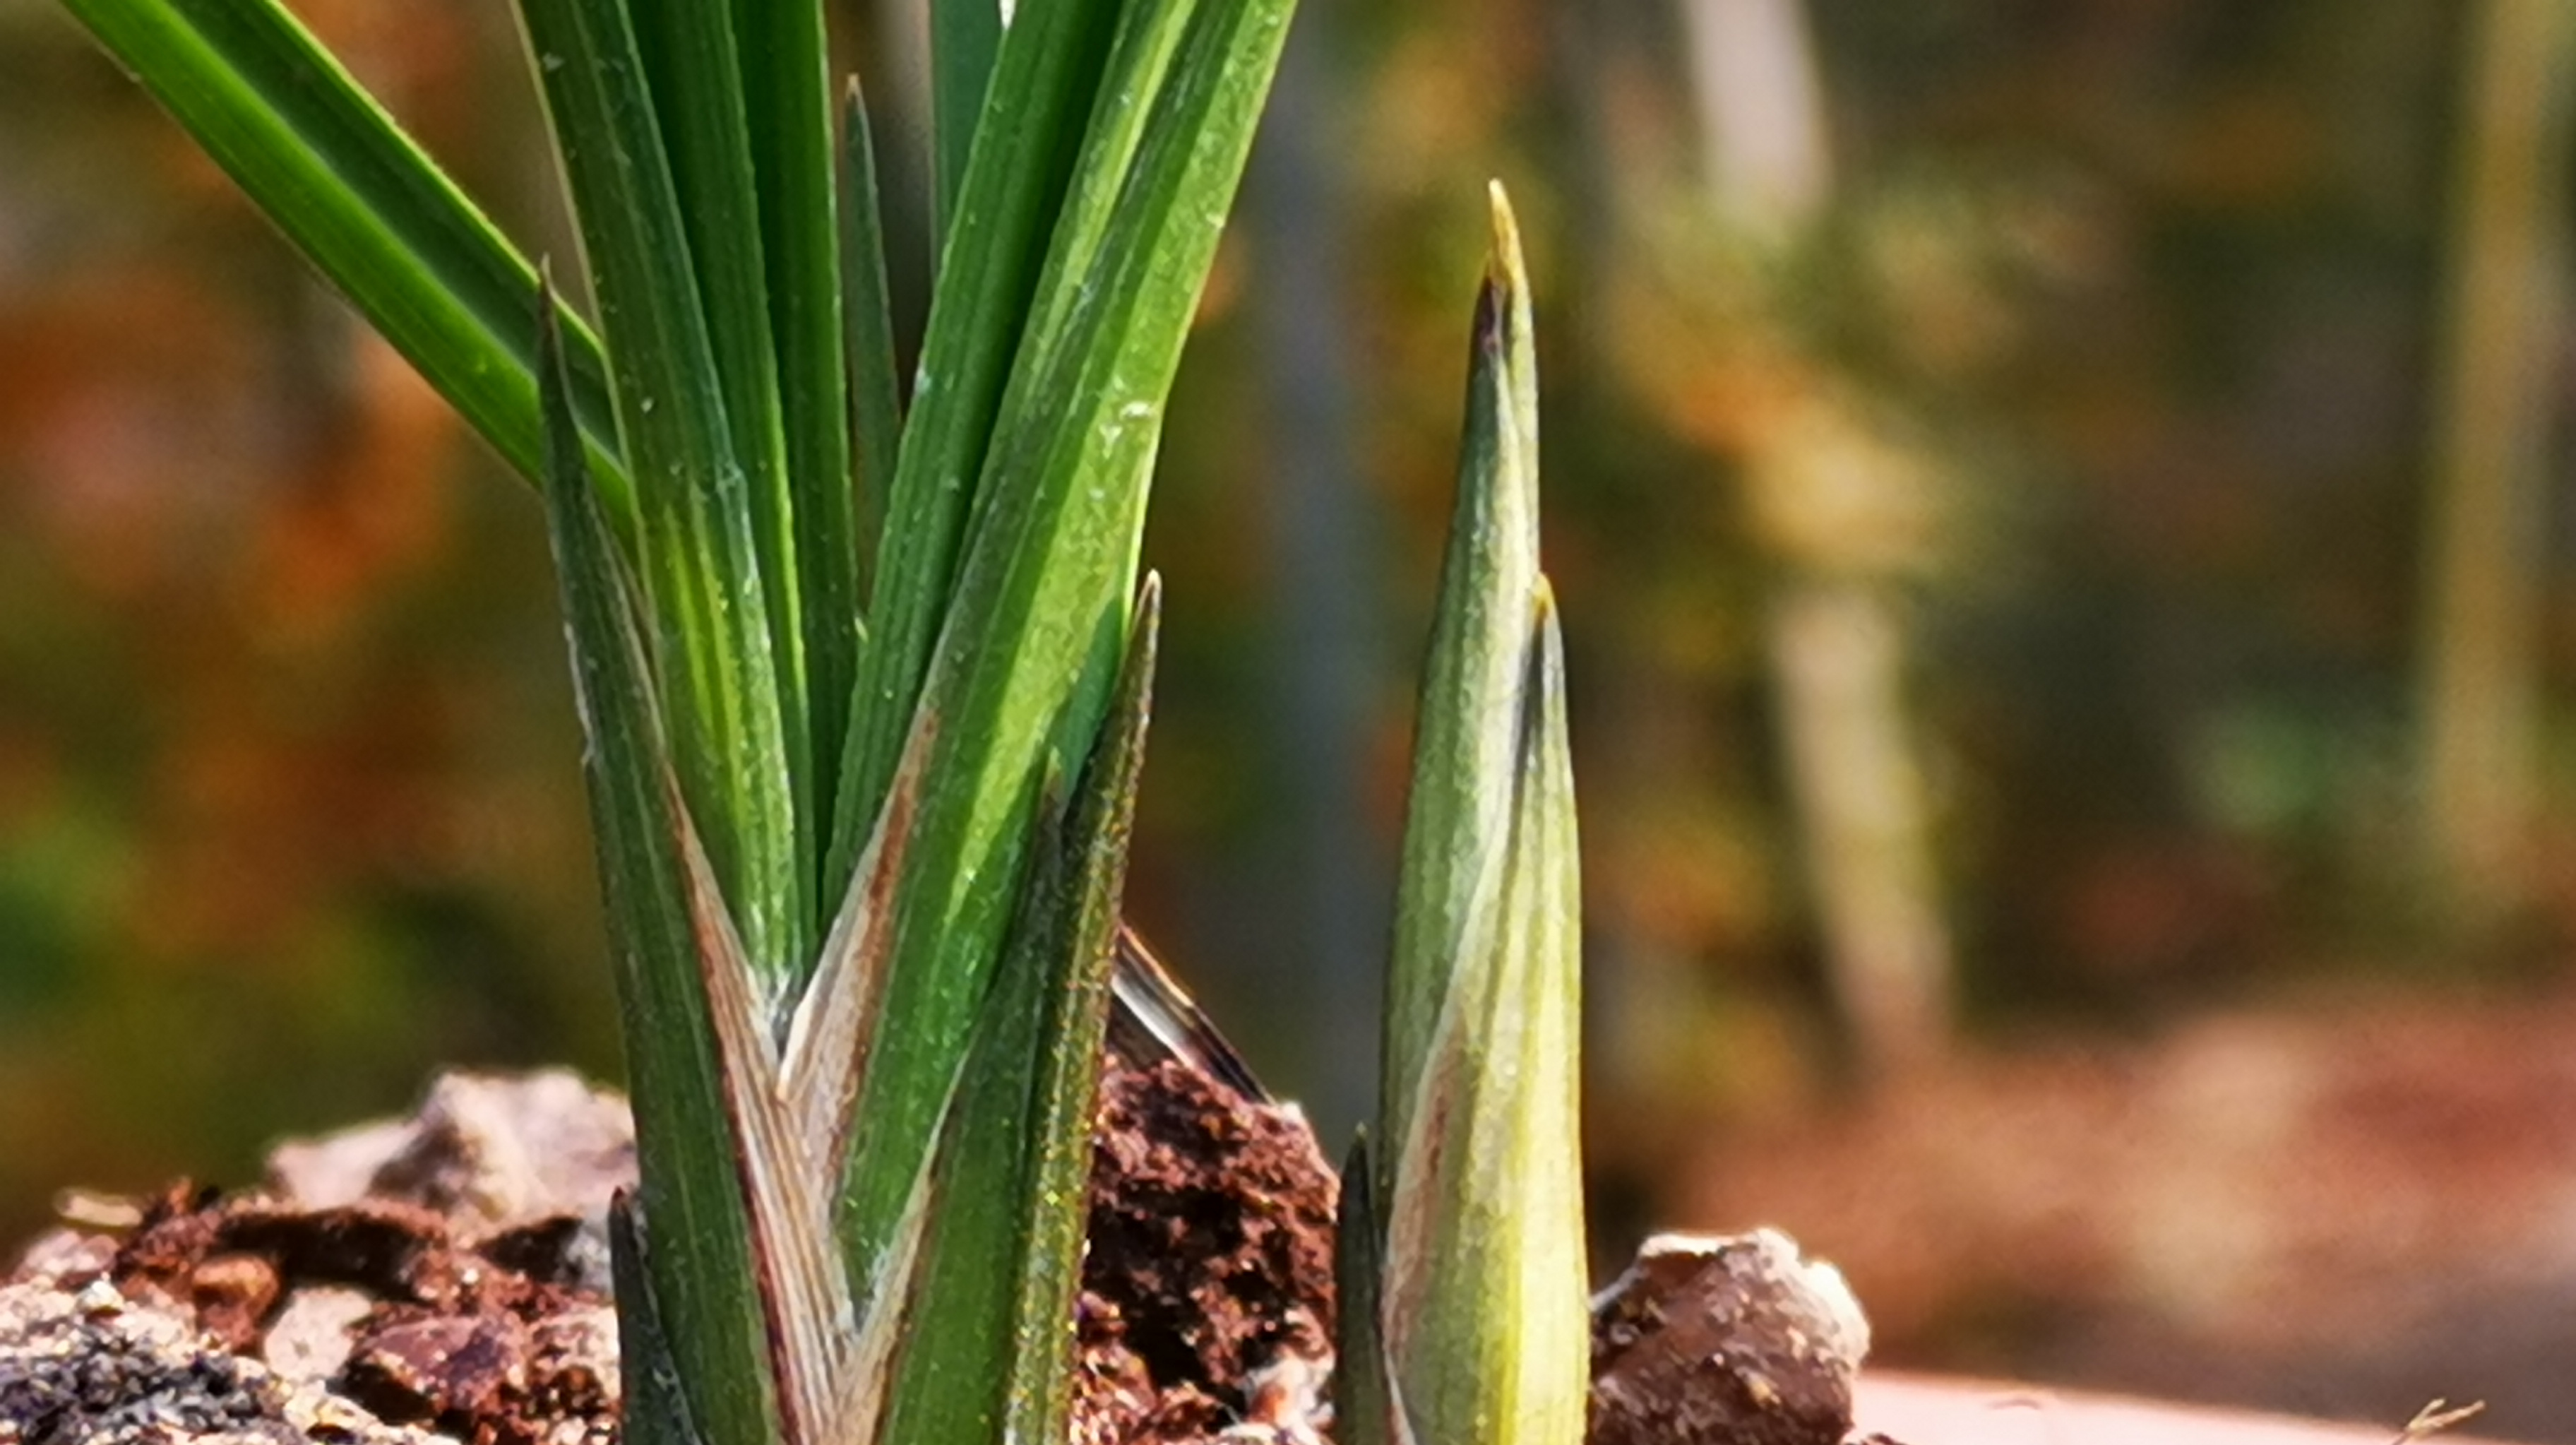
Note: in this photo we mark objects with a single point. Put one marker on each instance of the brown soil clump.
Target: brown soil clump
(427, 1275)
(1207, 1294)
(444, 1279)
(448, 1274)
(1725, 1341)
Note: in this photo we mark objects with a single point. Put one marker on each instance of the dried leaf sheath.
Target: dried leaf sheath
(828, 1036)
(804, 1296)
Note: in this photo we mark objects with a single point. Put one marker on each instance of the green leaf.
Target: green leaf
(710, 608)
(787, 84)
(965, 37)
(876, 418)
(1136, 64)
(1131, 95)
(1468, 725)
(1481, 1293)
(990, 1358)
(876, 390)
(1364, 1407)
(1487, 1329)
(699, 1259)
(1045, 76)
(1024, 661)
(694, 69)
(364, 204)
(654, 1409)
(1078, 1003)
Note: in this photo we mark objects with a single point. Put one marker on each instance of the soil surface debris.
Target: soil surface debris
(444, 1279)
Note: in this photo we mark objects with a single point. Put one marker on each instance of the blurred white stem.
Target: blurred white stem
(1837, 648)
(2491, 451)
(1762, 118)
(1839, 660)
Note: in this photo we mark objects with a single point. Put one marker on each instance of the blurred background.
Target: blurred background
(2060, 512)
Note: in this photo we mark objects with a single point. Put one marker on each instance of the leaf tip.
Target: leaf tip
(1149, 603)
(1506, 272)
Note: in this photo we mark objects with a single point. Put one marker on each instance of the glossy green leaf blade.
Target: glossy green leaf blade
(965, 41)
(993, 1359)
(787, 90)
(867, 311)
(1025, 659)
(953, 1361)
(1481, 1287)
(1044, 79)
(710, 611)
(1131, 97)
(694, 70)
(364, 204)
(698, 1258)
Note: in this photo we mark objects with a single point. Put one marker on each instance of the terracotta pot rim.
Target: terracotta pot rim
(1936, 1410)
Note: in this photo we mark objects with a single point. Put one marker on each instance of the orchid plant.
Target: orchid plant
(865, 672)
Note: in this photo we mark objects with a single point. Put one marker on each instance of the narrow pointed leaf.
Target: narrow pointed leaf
(994, 247)
(876, 392)
(1131, 97)
(699, 1260)
(876, 421)
(992, 1361)
(953, 1362)
(1487, 1329)
(788, 115)
(654, 1409)
(1364, 1407)
(1468, 723)
(710, 610)
(1480, 1290)
(368, 207)
(1047, 581)
(693, 68)
(1040, 1389)
(1133, 103)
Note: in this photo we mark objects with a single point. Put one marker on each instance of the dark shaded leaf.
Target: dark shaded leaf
(689, 1195)
(710, 609)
